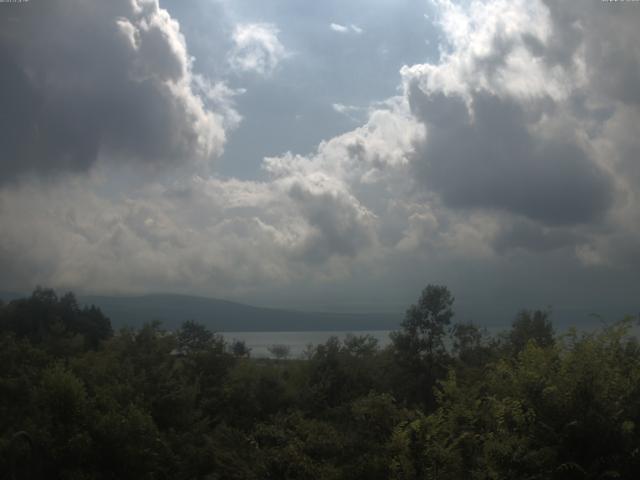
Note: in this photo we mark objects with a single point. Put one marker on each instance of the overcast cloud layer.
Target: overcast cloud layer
(507, 168)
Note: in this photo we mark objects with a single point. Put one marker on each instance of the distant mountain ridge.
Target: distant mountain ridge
(227, 316)
(224, 316)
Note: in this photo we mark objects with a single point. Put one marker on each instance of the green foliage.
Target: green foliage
(295, 448)
(567, 410)
(193, 337)
(532, 326)
(420, 349)
(425, 322)
(342, 371)
(254, 391)
(78, 402)
(57, 323)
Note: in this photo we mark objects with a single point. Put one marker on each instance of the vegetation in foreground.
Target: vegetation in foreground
(443, 401)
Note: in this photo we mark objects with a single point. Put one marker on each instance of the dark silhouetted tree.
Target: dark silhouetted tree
(45, 318)
(280, 351)
(419, 347)
(239, 349)
(531, 326)
(194, 337)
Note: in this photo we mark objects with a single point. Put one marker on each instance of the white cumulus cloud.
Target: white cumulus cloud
(256, 48)
(352, 28)
(125, 92)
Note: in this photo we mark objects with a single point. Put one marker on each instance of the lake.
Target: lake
(259, 342)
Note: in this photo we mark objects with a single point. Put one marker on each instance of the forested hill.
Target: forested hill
(225, 316)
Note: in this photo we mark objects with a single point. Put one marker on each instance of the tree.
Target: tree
(360, 345)
(425, 322)
(338, 372)
(239, 349)
(194, 337)
(46, 318)
(96, 327)
(531, 326)
(466, 337)
(280, 351)
(566, 412)
(419, 347)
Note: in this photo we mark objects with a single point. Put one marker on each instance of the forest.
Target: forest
(444, 400)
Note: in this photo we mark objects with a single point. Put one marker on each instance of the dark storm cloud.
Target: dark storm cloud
(607, 31)
(488, 158)
(81, 78)
(527, 235)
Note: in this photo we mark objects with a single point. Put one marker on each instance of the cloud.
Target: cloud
(159, 238)
(510, 154)
(500, 133)
(340, 225)
(112, 80)
(351, 111)
(310, 221)
(336, 27)
(524, 124)
(340, 108)
(489, 157)
(206, 235)
(257, 48)
(530, 236)
(604, 36)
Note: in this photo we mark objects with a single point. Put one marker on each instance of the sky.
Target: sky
(335, 155)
